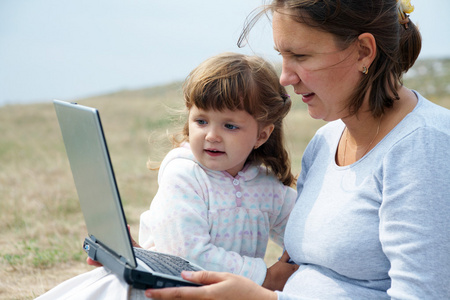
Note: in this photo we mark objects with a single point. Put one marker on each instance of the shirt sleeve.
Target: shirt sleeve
(278, 227)
(415, 216)
(177, 223)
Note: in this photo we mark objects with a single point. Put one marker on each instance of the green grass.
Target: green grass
(41, 225)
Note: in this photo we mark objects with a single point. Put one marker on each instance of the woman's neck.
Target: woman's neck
(363, 131)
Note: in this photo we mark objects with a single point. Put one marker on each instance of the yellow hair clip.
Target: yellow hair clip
(404, 7)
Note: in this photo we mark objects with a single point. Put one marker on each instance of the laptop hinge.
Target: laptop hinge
(89, 248)
(124, 260)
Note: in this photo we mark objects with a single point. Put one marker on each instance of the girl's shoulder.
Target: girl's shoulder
(178, 160)
(182, 152)
(264, 177)
(181, 161)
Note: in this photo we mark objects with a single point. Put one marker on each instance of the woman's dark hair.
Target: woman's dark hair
(398, 45)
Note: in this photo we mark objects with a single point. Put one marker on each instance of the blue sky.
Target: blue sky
(69, 49)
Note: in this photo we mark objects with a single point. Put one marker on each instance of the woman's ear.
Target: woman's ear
(367, 49)
(264, 135)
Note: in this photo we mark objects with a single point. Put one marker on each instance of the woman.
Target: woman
(372, 216)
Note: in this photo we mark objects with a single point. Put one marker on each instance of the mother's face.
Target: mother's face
(323, 73)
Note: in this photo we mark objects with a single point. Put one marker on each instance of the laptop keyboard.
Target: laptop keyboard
(164, 263)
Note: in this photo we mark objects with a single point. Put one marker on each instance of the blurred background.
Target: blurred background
(128, 59)
(73, 49)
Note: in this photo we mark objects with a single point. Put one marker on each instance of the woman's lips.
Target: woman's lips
(307, 97)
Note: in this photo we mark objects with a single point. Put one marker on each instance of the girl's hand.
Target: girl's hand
(216, 286)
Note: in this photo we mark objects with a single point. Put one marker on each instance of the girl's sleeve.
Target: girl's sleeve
(415, 216)
(285, 208)
(178, 223)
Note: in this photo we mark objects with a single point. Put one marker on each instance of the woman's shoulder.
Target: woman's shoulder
(330, 130)
(425, 128)
(328, 135)
(426, 117)
(430, 114)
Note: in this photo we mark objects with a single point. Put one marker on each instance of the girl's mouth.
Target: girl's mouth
(213, 152)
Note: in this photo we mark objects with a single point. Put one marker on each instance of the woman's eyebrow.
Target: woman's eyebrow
(284, 52)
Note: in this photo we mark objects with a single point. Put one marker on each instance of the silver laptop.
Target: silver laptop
(108, 240)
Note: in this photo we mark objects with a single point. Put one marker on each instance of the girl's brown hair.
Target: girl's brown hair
(240, 82)
(398, 45)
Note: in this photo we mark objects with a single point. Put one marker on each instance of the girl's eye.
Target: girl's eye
(200, 122)
(230, 126)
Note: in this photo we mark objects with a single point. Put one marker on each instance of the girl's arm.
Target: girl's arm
(278, 225)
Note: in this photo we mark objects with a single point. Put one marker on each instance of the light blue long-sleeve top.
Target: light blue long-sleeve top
(379, 228)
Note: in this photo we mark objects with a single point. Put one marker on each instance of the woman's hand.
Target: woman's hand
(92, 262)
(279, 273)
(216, 285)
(133, 242)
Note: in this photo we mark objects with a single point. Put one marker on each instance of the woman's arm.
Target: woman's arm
(216, 286)
(415, 216)
(278, 274)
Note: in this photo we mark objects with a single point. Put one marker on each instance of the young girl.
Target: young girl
(225, 187)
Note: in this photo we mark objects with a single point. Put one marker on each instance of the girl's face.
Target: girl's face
(316, 67)
(222, 140)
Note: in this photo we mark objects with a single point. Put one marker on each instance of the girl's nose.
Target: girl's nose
(212, 136)
(288, 75)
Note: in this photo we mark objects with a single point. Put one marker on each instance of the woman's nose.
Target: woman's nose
(288, 75)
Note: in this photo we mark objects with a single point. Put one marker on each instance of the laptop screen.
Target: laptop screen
(94, 177)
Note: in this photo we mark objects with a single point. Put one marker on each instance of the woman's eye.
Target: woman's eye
(230, 126)
(298, 56)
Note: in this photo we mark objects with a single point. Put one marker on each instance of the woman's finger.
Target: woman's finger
(201, 277)
(216, 285)
(133, 242)
(92, 262)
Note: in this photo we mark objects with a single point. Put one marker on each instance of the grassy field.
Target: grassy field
(41, 225)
